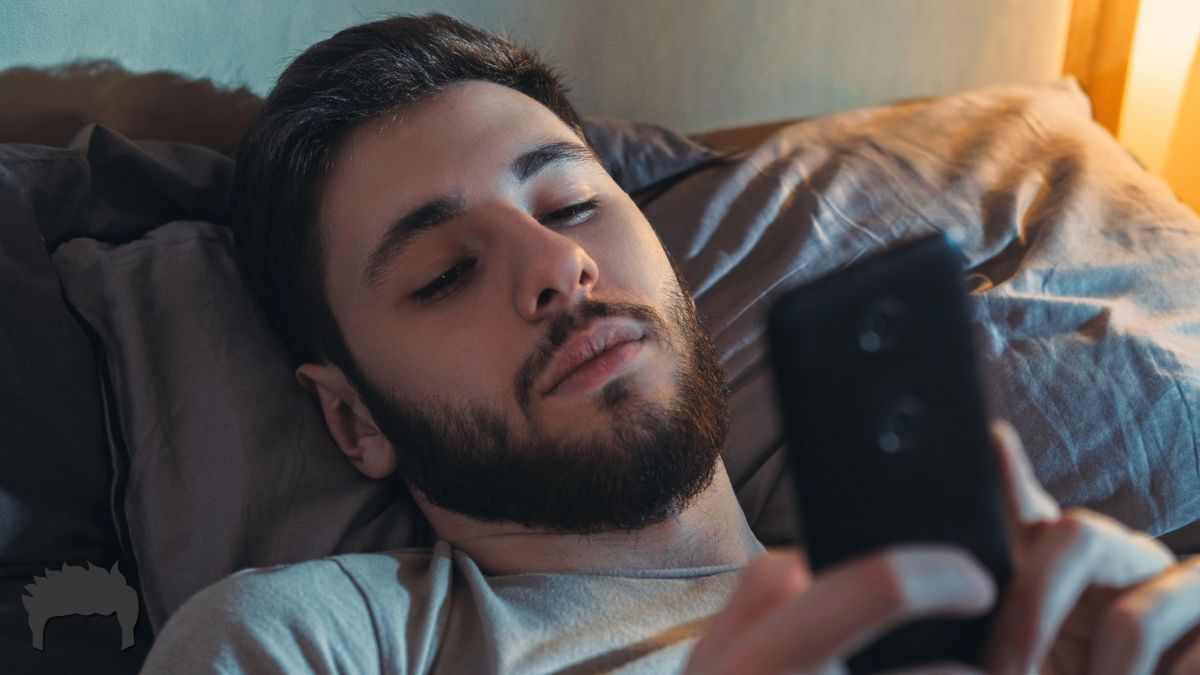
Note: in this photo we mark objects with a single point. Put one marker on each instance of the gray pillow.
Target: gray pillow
(230, 464)
(56, 472)
(643, 157)
(1086, 272)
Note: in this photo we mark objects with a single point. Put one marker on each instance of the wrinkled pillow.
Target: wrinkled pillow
(1085, 270)
(56, 472)
(230, 465)
(61, 481)
(643, 158)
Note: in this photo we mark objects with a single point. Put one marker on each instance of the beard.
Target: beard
(654, 461)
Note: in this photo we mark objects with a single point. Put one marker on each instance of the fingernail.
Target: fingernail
(945, 577)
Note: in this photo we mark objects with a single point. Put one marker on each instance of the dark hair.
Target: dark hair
(336, 85)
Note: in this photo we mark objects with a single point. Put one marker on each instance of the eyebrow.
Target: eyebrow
(427, 217)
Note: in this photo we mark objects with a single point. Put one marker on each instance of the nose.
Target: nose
(554, 272)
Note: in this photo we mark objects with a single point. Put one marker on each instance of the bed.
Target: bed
(151, 420)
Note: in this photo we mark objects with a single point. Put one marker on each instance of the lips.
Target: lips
(592, 342)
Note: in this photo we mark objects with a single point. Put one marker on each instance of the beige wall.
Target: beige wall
(703, 64)
(1183, 158)
(688, 64)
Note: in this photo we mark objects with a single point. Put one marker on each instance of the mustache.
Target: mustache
(565, 324)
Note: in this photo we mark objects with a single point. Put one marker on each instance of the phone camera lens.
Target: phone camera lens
(879, 326)
(900, 425)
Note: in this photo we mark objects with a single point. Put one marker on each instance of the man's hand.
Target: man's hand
(1088, 596)
(780, 619)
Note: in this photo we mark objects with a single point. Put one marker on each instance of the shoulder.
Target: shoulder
(345, 582)
(403, 576)
(278, 618)
(280, 592)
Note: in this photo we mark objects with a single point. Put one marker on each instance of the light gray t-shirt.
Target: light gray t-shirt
(434, 611)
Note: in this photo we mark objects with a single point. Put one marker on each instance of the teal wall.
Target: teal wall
(689, 64)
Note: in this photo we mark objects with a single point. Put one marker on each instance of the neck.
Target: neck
(710, 531)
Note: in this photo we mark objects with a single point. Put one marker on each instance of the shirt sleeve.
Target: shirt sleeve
(304, 618)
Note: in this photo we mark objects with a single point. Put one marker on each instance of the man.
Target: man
(486, 318)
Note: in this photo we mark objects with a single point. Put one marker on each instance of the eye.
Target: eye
(573, 214)
(446, 283)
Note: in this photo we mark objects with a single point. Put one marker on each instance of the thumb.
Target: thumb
(1025, 498)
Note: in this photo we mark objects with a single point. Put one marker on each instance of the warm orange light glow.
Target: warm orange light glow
(1168, 32)
(1183, 162)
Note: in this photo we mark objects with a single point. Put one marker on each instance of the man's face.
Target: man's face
(471, 241)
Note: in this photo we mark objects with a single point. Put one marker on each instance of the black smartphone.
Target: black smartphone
(880, 394)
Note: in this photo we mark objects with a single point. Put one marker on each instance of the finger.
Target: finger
(1027, 501)
(852, 604)
(1142, 623)
(1065, 557)
(771, 580)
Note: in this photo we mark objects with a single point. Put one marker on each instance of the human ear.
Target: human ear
(350, 424)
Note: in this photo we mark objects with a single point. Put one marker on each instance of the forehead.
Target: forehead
(471, 130)
(460, 142)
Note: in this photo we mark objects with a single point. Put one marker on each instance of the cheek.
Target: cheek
(636, 261)
(419, 361)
